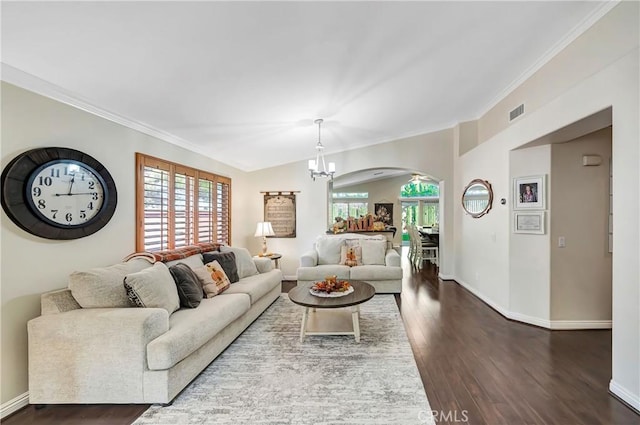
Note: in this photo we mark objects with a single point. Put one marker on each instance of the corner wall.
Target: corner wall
(581, 271)
(529, 270)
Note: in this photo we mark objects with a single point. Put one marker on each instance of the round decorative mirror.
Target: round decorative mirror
(477, 198)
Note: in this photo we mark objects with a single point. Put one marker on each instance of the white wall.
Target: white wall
(581, 271)
(609, 50)
(31, 265)
(529, 269)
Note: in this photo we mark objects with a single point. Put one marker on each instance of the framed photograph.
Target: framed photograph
(529, 193)
(529, 222)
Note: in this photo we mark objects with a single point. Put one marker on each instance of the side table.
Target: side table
(275, 257)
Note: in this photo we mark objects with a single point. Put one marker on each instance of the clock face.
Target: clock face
(66, 193)
(58, 193)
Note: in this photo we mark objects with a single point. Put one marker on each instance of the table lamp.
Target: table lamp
(264, 229)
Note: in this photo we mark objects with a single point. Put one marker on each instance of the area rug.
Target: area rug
(267, 376)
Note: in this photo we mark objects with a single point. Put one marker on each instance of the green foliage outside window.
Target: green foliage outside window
(414, 190)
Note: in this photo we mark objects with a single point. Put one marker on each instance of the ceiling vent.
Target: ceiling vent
(516, 112)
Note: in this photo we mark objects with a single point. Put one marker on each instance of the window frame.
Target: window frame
(172, 168)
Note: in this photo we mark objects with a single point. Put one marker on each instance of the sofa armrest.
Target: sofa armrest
(309, 259)
(263, 264)
(94, 355)
(392, 258)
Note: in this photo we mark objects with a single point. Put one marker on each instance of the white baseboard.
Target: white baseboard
(536, 321)
(294, 277)
(446, 276)
(581, 324)
(14, 405)
(633, 400)
(484, 298)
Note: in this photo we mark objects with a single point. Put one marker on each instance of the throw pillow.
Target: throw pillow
(329, 249)
(208, 284)
(220, 279)
(246, 266)
(153, 287)
(373, 251)
(188, 285)
(351, 256)
(102, 287)
(228, 262)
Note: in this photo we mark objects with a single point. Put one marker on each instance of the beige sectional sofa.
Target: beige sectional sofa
(124, 354)
(379, 264)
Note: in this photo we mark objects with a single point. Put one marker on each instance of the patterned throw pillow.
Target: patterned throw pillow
(208, 284)
(220, 280)
(228, 262)
(351, 256)
(153, 287)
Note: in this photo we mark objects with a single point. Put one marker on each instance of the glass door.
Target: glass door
(409, 216)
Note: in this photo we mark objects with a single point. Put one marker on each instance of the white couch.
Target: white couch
(380, 267)
(136, 355)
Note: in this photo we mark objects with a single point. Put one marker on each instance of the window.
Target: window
(349, 204)
(178, 206)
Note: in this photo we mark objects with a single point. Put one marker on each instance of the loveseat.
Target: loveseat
(375, 261)
(90, 345)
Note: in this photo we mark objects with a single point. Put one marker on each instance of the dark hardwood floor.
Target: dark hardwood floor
(476, 366)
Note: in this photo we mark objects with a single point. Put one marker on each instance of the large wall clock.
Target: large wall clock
(58, 193)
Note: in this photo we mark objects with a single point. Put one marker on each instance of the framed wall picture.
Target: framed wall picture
(384, 212)
(531, 222)
(529, 193)
(280, 211)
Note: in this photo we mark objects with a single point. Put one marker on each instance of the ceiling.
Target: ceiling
(242, 82)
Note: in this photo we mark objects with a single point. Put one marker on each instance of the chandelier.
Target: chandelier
(318, 168)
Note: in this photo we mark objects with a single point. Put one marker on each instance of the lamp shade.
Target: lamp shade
(264, 229)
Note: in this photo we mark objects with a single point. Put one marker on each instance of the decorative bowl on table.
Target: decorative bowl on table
(331, 287)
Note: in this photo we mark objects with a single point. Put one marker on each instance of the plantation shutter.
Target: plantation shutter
(155, 201)
(178, 206)
(206, 207)
(184, 203)
(223, 201)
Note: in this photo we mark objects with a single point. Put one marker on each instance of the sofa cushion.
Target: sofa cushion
(153, 287)
(189, 329)
(373, 251)
(246, 266)
(220, 279)
(320, 272)
(329, 249)
(376, 272)
(188, 285)
(228, 262)
(192, 261)
(257, 286)
(102, 287)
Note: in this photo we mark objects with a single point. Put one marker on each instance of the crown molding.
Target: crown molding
(37, 85)
(576, 32)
